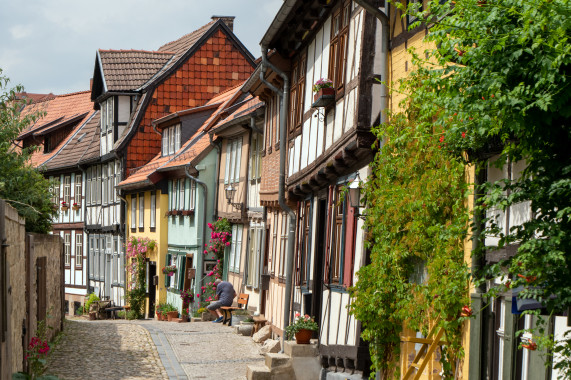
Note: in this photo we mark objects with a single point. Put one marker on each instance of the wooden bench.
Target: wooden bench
(259, 322)
(227, 310)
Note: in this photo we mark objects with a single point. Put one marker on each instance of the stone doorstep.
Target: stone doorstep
(277, 360)
(258, 372)
(295, 350)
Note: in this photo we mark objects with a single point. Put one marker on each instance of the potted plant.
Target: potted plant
(187, 212)
(174, 212)
(302, 328)
(169, 270)
(171, 312)
(323, 87)
(76, 206)
(158, 311)
(64, 206)
(184, 315)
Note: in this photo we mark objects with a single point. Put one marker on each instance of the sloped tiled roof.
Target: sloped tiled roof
(34, 98)
(192, 149)
(82, 145)
(141, 175)
(127, 70)
(61, 111)
(246, 107)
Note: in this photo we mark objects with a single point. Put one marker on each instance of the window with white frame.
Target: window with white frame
(256, 157)
(98, 185)
(141, 210)
(102, 258)
(233, 156)
(235, 248)
(77, 190)
(283, 242)
(152, 219)
(181, 197)
(171, 140)
(67, 189)
(275, 221)
(107, 124)
(173, 193)
(91, 257)
(105, 184)
(78, 250)
(54, 190)
(67, 248)
(117, 178)
(110, 182)
(121, 263)
(133, 211)
(88, 186)
(115, 261)
(254, 249)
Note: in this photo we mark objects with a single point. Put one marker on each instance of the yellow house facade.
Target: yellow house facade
(145, 218)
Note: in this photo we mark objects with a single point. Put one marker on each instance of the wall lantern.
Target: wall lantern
(230, 192)
(355, 192)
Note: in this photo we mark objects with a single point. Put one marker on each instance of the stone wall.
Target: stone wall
(19, 302)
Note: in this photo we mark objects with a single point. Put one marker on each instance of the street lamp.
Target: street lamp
(230, 192)
(355, 192)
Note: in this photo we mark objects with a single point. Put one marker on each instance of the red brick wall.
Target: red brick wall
(270, 176)
(217, 66)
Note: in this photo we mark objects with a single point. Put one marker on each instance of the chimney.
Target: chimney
(228, 20)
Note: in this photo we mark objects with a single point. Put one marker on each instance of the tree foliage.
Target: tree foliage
(21, 185)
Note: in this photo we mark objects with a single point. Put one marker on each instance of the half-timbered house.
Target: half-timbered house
(134, 87)
(62, 133)
(240, 137)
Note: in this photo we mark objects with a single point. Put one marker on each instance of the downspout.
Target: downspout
(384, 19)
(263, 238)
(199, 258)
(216, 169)
(284, 99)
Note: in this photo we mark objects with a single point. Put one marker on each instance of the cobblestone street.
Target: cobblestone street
(151, 350)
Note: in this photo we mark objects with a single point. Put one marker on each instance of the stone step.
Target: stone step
(295, 350)
(277, 360)
(258, 372)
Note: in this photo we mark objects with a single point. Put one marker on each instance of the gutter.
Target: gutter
(199, 261)
(385, 34)
(284, 100)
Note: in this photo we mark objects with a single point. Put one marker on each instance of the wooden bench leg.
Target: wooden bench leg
(227, 317)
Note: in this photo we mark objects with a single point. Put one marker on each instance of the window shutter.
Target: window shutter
(180, 271)
(238, 247)
(167, 278)
(238, 157)
(330, 210)
(349, 257)
(233, 249)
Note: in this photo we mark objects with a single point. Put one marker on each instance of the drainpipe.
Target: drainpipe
(199, 258)
(284, 100)
(84, 206)
(216, 169)
(383, 18)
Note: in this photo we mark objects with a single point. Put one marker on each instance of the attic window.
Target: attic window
(171, 140)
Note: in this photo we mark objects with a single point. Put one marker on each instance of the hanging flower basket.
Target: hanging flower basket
(64, 206)
(76, 206)
(169, 270)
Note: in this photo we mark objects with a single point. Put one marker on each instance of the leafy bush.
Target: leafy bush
(92, 298)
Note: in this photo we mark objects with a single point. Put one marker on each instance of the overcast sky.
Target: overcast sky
(50, 45)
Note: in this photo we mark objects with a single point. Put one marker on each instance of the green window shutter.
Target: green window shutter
(181, 272)
(167, 278)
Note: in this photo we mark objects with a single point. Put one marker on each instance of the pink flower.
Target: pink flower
(210, 273)
(197, 295)
(297, 314)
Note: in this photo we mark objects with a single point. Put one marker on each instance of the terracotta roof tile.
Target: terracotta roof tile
(82, 145)
(126, 70)
(69, 110)
(192, 149)
(140, 175)
(247, 106)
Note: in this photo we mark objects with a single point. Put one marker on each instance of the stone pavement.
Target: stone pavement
(148, 349)
(105, 350)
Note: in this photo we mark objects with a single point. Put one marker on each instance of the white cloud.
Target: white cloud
(20, 31)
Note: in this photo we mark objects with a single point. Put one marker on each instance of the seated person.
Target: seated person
(225, 294)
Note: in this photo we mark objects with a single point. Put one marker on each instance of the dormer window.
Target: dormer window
(171, 140)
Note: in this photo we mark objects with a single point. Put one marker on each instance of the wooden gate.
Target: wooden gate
(424, 355)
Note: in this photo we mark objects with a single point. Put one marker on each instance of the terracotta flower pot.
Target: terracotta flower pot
(171, 315)
(303, 336)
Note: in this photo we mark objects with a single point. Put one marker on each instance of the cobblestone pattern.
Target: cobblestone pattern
(105, 350)
(208, 350)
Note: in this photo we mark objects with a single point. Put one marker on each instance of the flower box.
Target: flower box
(187, 212)
(174, 212)
(76, 206)
(323, 97)
(64, 208)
